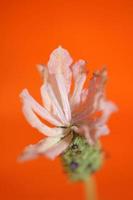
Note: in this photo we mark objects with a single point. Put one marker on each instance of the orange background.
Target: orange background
(97, 31)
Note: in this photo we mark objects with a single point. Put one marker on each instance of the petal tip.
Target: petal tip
(23, 93)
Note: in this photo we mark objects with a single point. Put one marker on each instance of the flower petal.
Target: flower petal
(43, 72)
(59, 148)
(107, 108)
(101, 130)
(95, 93)
(33, 151)
(59, 63)
(76, 97)
(56, 105)
(79, 72)
(45, 98)
(41, 111)
(84, 95)
(44, 93)
(78, 68)
(64, 96)
(35, 122)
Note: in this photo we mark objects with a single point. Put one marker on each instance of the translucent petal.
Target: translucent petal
(59, 63)
(35, 122)
(76, 97)
(33, 151)
(59, 148)
(95, 93)
(78, 68)
(56, 105)
(43, 70)
(45, 98)
(64, 96)
(101, 130)
(107, 108)
(41, 111)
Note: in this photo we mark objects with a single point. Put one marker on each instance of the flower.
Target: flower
(70, 109)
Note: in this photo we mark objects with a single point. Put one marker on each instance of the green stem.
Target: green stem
(90, 189)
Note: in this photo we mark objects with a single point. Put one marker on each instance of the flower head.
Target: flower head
(70, 110)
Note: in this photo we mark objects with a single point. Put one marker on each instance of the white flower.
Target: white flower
(67, 107)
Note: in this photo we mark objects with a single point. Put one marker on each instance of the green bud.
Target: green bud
(80, 160)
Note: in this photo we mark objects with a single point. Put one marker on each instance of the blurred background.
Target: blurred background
(98, 31)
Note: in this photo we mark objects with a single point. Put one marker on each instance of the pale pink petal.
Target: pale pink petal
(78, 68)
(28, 154)
(56, 105)
(34, 150)
(98, 126)
(95, 93)
(45, 98)
(64, 96)
(47, 79)
(79, 71)
(51, 100)
(48, 102)
(51, 103)
(35, 122)
(59, 147)
(44, 94)
(41, 111)
(53, 83)
(76, 97)
(107, 108)
(101, 130)
(84, 95)
(59, 63)
(43, 70)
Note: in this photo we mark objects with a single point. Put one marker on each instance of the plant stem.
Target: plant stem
(90, 189)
